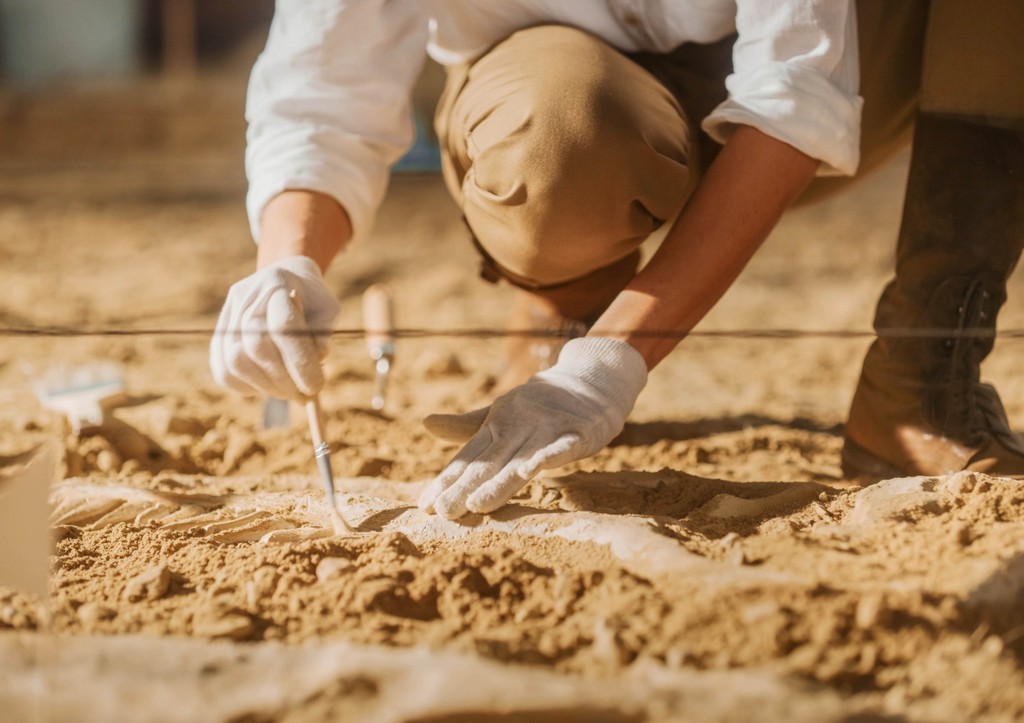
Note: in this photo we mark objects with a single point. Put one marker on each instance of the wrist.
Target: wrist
(302, 223)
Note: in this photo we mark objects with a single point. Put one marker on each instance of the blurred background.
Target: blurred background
(103, 89)
(47, 41)
(140, 97)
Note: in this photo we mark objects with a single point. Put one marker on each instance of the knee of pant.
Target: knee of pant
(547, 96)
(572, 169)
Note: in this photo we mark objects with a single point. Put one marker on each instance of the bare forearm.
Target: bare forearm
(302, 223)
(746, 190)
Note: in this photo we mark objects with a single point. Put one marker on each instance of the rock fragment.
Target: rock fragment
(91, 614)
(149, 585)
(331, 568)
(182, 424)
(869, 610)
(230, 624)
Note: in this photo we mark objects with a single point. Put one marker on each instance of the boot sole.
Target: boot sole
(859, 465)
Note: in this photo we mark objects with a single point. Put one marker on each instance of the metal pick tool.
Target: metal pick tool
(378, 319)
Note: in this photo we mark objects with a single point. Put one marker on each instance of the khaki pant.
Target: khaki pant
(974, 65)
(565, 154)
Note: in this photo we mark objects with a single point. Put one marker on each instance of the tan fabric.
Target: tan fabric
(695, 74)
(891, 44)
(553, 197)
(563, 153)
(974, 64)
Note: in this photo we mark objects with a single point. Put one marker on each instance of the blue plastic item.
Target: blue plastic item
(58, 40)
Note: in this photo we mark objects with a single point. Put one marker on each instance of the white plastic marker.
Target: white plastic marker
(82, 392)
(322, 452)
(24, 533)
(378, 320)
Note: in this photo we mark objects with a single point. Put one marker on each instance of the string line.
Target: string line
(488, 333)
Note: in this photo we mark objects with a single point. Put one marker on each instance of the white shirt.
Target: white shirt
(329, 98)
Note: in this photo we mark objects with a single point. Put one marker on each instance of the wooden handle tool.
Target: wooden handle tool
(378, 320)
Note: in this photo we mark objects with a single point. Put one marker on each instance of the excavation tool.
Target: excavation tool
(322, 451)
(83, 393)
(378, 321)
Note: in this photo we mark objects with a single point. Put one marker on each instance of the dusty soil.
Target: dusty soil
(712, 564)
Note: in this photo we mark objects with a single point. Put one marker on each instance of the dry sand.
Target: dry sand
(711, 564)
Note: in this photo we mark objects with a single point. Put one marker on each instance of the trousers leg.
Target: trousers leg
(564, 155)
(974, 65)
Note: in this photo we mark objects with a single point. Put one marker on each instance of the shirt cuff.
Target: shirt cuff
(357, 185)
(795, 105)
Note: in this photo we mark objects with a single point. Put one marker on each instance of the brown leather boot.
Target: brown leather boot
(920, 407)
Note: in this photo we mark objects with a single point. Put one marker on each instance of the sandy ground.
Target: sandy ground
(711, 564)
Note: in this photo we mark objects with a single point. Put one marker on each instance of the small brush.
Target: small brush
(322, 451)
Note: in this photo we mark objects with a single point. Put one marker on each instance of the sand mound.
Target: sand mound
(835, 587)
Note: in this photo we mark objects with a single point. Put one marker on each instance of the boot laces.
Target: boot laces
(961, 409)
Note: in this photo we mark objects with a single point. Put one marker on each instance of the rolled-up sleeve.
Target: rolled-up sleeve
(795, 78)
(328, 102)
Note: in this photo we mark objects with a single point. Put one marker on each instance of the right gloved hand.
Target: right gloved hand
(560, 415)
(269, 341)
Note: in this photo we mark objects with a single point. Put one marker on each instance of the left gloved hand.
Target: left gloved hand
(263, 342)
(560, 415)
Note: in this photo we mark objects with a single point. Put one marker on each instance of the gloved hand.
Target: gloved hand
(560, 415)
(262, 344)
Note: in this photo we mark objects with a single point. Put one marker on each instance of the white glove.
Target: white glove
(263, 342)
(560, 415)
